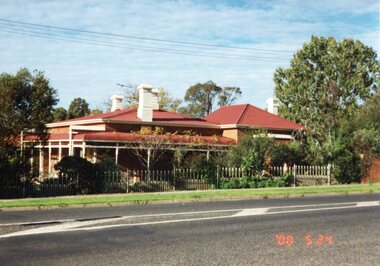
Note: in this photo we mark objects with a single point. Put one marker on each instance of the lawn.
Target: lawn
(145, 198)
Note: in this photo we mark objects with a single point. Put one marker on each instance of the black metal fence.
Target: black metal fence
(141, 181)
(107, 182)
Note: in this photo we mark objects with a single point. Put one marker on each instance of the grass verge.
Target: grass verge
(144, 198)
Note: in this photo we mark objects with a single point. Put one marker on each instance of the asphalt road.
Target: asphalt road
(333, 230)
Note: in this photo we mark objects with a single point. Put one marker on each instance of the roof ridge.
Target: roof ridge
(242, 113)
(123, 111)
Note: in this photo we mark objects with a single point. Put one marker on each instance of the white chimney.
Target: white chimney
(145, 109)
(117, 102)
(155, 103)
(272, 105)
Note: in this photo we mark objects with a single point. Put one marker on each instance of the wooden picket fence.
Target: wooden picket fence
(301, 174)
(154, 181)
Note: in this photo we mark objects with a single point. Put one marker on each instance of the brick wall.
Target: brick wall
(374, 171)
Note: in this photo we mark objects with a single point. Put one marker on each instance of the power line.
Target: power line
(146, 38)
(151, 49)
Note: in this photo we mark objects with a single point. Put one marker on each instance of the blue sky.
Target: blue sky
(273, 30)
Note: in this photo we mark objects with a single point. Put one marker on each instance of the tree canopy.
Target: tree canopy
(59, 114)
(367, 127)
(325, 84)
(228, 96)
(26, 101)
(203, 98)
(328, 89)
(78, 108)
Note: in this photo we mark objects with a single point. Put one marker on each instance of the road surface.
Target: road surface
(327, 230)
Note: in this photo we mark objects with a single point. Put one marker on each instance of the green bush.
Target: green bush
(77, 171)
(13, 169)
(251, 153)
(289, 153)
(85, 176)
(256, 182)
(207, 168)
(347, 168)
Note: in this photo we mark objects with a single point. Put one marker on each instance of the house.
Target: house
(121, 132)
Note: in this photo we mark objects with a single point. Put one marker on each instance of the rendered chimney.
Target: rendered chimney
(117, 102)
(145, 109)
(155, 103)
(272, 105)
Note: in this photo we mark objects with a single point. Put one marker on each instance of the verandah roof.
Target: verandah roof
(135, 137)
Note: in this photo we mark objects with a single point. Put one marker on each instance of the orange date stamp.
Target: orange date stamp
(288, 240)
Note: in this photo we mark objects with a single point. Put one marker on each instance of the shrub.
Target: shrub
(287, 179)
(252, 152)
(346, 162)
(230, 183)
(293, 153)
(77, 171)
(256, 182)
(208, 169)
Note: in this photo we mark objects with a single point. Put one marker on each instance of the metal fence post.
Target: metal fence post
(294, 175)
(217, 177)
(174, 177)
(329, 174)
(127, 180)
(77, 184)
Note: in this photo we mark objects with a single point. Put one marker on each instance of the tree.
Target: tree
(367, 124)
(365, 131)
(59, 114)
(289, 153)
(168, 103)
(26, 101)
(228, 95)
(96, 111)
(203, 98)
(78, 108)
(325, 84)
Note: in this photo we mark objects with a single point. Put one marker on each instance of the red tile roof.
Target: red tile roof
(249, 115)
(130, 115)
(243, 114)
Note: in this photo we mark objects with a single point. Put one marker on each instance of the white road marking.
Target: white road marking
(251, 212)
(183, 213)
(367, 203)
(73, 226)
(123, 217)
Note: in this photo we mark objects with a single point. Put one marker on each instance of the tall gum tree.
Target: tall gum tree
(203, 98)
(325, 84)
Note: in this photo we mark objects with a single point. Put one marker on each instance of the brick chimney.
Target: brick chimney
(272, 106)
(155, 99)
(117, 102)
(145, 109)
